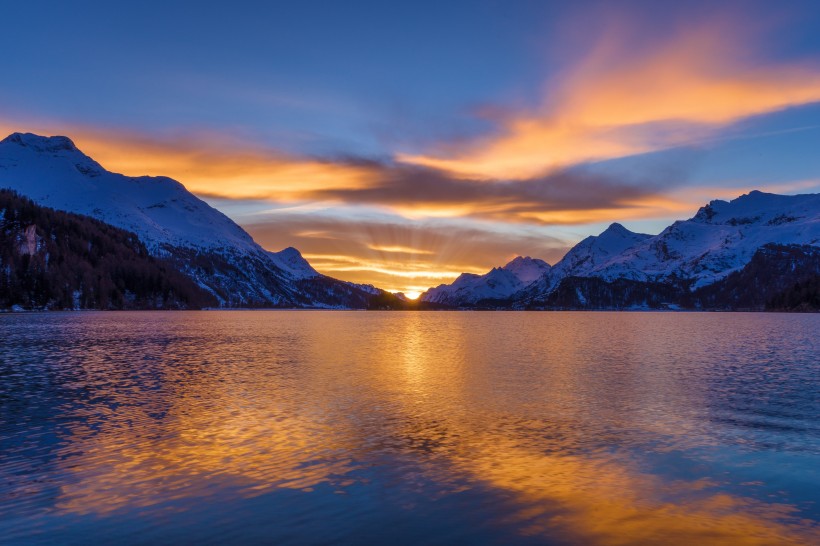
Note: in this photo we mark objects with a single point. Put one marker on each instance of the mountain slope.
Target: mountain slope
(773, 279)
(172, 223)
(778, 277)
(538, 277)
(720, 239)
(58, 260)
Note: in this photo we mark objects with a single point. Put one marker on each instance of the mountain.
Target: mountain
(54, 173)
(291, 261)
(538, 277)
(714, 260)
(588, 255)
(594, 251)
(777, 278)
(498, 284)
(58, 260)
(173, 224)
(527, 269)
(720, 239)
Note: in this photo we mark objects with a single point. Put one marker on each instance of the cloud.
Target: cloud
(222, 165)
(563, 197)
(622, 100)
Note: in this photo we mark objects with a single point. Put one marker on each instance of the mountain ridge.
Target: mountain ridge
(498, 283)
(722, 238)
(173, 224)
(59, 260)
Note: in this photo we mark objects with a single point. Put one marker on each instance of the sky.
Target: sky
(402, 143)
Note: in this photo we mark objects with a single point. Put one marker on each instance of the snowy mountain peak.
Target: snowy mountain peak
(527, 269)
(594, 251)
(41, 143)
(750, 208)
(56, 152)
(615, 229)
(54, 172)
(464, 277)
(469, 288)
(291, 260)
(615, 234)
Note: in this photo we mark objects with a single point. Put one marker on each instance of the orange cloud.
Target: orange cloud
(211, 164)
(616, 103)
(398, 249)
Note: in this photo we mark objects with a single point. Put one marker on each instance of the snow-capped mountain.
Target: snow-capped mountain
(499, 283)
(527, 269)
(54, 173)
(593, 252)
(291, 261)
(173, 224)
(720, 239)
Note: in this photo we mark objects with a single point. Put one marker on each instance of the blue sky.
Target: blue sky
(348, 128)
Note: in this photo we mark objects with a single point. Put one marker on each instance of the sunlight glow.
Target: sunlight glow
(399, 249)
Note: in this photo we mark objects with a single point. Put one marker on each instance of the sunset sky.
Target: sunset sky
(402, 143)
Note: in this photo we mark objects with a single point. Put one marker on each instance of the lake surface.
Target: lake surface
(278, 427)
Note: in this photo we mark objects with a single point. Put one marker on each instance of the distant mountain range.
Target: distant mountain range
(683, 266)
(174, 226)
(759, 251)
(500, 283)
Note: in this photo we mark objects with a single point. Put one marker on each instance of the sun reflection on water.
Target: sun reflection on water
(549, 422)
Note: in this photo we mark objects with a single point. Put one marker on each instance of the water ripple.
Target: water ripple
(328, 427)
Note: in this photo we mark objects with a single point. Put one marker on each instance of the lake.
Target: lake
(329, 427)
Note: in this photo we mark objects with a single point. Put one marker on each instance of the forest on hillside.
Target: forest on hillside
(57, 260)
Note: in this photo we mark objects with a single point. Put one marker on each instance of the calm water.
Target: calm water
(401, 428)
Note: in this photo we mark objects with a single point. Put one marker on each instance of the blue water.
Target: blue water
(288, 427)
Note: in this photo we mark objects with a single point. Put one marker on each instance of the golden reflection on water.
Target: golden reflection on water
(539, 409)
(605, 501)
